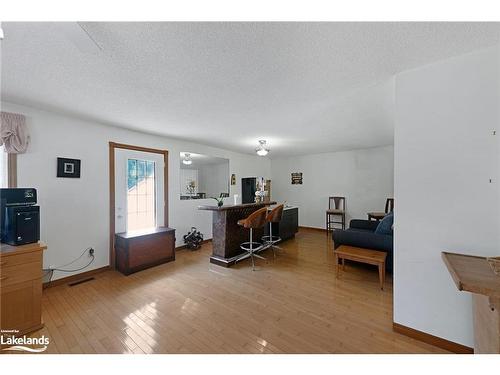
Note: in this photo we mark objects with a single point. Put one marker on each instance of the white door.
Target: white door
(139, 190)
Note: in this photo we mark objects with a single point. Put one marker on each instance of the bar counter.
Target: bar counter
(227, 235)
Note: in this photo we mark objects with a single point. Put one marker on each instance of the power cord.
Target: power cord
(50, 271)
(87, 250)
(77, 269)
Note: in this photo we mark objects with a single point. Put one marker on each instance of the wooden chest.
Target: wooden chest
(136, 251)
(21, 287)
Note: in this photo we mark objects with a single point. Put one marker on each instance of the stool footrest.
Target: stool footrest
(252, 246)
(272, 239)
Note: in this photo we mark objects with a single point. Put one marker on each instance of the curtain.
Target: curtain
(13, 133)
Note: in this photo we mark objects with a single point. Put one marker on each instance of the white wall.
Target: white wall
(364, 177)
(445, 155)
(75, 212)
(214, 179)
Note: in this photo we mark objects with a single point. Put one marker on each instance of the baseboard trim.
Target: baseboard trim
(185, 247)
(74, 278)
(432, 340)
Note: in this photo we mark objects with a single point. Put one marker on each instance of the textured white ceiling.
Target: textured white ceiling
(305, 87)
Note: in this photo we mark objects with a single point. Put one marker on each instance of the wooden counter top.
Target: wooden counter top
(228, 207)
(7, 250)
(145, 232)
(472, 274)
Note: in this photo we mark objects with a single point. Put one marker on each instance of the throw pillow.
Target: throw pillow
(385, 225)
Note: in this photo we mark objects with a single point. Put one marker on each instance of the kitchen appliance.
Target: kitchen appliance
(248, 188)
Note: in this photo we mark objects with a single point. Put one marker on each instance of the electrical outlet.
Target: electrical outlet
(91, 251)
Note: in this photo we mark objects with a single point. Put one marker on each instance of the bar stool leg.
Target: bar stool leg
(271, 239)
(251, 249)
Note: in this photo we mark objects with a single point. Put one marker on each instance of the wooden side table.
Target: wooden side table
(474, 274)
(358, 254)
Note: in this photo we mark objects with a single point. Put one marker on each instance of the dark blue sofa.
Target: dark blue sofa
(361, 233)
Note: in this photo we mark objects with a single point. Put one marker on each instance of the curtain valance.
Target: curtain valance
(13, 132)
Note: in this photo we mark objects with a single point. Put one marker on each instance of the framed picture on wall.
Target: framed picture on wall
(296, 178)
(69, 168)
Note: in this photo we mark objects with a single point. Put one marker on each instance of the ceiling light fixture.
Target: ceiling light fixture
(263, 149)
(187, 159)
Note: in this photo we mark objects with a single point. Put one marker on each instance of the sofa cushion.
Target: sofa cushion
(359, 230)
(385, 225)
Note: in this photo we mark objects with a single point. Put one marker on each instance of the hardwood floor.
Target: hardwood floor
(291, 305)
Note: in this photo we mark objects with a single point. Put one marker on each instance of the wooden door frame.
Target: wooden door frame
(112, 147)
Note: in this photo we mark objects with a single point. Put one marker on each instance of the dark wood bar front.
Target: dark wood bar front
(227, 235)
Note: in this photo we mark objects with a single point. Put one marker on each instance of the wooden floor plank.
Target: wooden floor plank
(293, 304)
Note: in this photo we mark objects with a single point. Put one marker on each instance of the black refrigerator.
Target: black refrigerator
(248, 188)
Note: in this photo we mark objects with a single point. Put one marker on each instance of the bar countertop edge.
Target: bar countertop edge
(234, 207)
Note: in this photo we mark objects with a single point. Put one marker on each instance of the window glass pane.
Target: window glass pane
(141, 203)
(131, 173)
(141, 195)
(132, 168)
(131, 182)
(141, 187)
(132, 203)
(141, 169)
(150, 168)
(150, 186)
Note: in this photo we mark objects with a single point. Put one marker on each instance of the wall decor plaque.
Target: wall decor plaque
(296, 178)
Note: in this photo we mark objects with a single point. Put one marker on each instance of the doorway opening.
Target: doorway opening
(138, 190)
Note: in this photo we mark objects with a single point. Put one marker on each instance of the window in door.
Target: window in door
(141, 194)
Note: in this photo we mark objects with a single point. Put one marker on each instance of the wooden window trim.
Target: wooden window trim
(12, 170)
(112, 147)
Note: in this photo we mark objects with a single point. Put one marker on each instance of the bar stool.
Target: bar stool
(274, 216)
(335, 209)
(256, 220)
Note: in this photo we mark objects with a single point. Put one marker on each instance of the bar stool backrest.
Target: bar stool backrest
(256, 219)
(275, 215)
(389, 205)
(336, 203)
